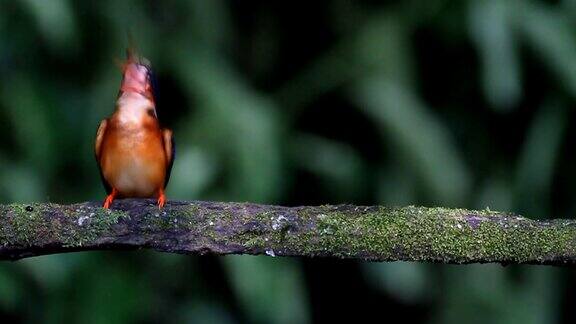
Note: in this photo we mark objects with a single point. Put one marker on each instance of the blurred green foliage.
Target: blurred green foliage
(452, 103)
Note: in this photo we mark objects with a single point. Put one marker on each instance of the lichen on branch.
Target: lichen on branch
(370, 233)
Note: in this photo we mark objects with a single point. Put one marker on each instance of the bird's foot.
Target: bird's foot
(161, 199)
(109, 199)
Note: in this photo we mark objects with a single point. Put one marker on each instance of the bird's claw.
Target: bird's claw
(108, 202)
(161, 200)
(109, 199)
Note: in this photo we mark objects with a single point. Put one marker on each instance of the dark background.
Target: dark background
(436, 103)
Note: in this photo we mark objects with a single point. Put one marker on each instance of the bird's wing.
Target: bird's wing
(99, 136)
(170, 151)
(97, 152)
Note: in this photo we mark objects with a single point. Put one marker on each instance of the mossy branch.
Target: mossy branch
(370, 233)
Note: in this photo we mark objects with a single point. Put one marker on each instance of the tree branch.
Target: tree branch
(369, 233)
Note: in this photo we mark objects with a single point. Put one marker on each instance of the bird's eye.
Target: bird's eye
(151, 112)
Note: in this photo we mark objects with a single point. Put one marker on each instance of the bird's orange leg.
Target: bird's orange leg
(161, 198)
(110, 198)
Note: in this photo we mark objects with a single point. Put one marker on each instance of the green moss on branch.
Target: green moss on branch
(370, 233)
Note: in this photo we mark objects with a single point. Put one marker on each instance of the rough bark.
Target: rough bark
(369, 233)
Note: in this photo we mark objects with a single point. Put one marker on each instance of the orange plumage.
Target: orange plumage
(134, 153)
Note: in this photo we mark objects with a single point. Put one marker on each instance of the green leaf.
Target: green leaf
(550, 33)
(492, 30)
(270, 290)
(420, 139)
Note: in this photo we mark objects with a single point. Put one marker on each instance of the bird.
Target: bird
(133, 152)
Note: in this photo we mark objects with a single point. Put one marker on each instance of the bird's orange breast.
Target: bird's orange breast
(132, 158)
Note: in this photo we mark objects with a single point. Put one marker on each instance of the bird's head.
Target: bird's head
(137, 76)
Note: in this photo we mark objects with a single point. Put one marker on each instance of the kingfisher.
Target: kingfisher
(134, 154)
